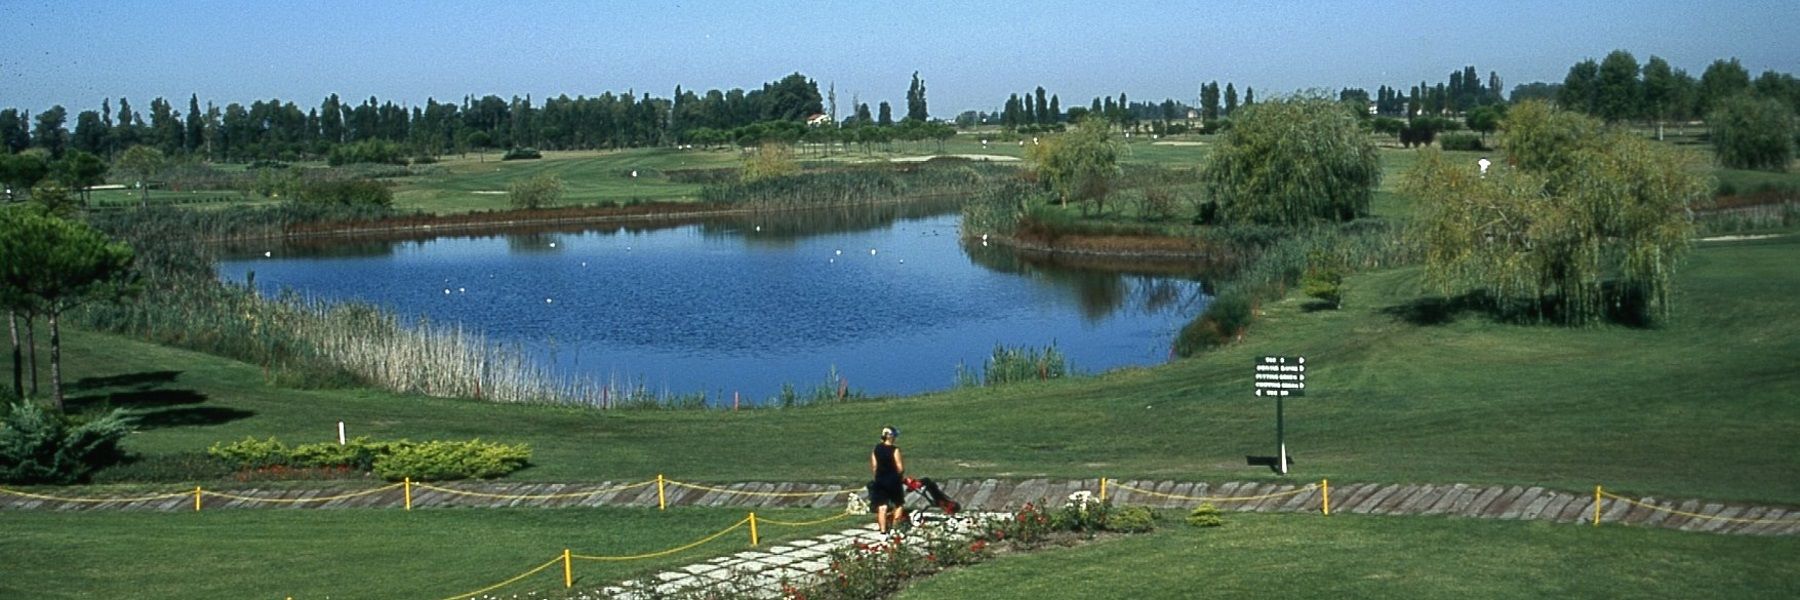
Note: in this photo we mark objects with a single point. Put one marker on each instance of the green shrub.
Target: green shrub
(37, 446)
(1754, 133)
(358, 454)
(251, 453)
(439, 460)
(541, 191)
(1461, 141)
(347, 192)
(1132, 519)
(1225, 318)
(1205, 515)
(522, 154)
(1009, 365)
(367, 151)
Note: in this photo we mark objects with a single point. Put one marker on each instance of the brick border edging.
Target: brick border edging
(1486, 502)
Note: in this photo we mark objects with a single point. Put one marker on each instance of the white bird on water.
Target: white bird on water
(871, 252)
(267, 254)
(548, 301)
(552, 244)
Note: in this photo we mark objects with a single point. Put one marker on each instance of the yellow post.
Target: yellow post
(568, 570)
(1326, 484)
(752, 530)
(408, 493)
(1596, 506)
(1102, 489)
(196, 498)
(662, 502)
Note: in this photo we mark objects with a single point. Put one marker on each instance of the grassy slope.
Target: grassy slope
(1702, 407)
(1293, 556)
(352, 553)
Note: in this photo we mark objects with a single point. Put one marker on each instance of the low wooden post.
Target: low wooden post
(753, 530)
(662, 501)
(1326, 485)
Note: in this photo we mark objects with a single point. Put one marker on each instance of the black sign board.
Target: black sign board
(1281, 376)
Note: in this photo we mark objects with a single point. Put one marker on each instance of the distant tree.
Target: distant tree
(80, 170)
(1581, 88)
(1484, 119)
(51, 265)
(194, 136)
(1722, 79)
(1231, 99)
(90, 133)
(543, 190)
(15, 131)
(19, 172)
(887, 115)
(50, 133)
(1293, 161)
(1250, 96)
(1536, 90)
(1043, 108)
(863, 116)
(1753, 132)
(1617, 93)
(1660, 89)
(142, 163)
(915, 100)
(53, 198)
(125, 131)
(1209, 102)
(1589, 222)
(1079, 165)
(1056, 114)
(480, 141)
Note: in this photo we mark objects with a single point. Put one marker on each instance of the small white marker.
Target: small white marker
(552, 244)
(267, 254)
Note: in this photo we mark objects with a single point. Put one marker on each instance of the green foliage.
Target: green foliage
(440, 460)
(424, 461)
(1223, 321)
(38, 446)
(1750, 132)
(1590, 225)
(142, 163)
(251, 453)
(769, 161)
(1468, 142)
(49, 265)
(1080, 165)
(1132, 519)
(1010, 365)
(1205, 515)
(348, 192)
(55, 199)
(522, 154)
(540, 191)
(377, 151)
(1293, 161)
(1324, 279)
(19, 172)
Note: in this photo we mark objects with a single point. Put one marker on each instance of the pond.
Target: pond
(888, 300)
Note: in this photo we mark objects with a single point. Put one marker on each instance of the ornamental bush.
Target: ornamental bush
(396, 460)
(1291, 162)
(38, 446)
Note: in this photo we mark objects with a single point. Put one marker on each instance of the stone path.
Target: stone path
(763, 571)
(1487, 502)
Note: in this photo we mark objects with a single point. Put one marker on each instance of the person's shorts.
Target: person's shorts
(886, 493)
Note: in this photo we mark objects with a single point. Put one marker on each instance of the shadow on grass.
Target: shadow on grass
(159, 408)
(1629, 308)
(1317, 305)
(142, 380)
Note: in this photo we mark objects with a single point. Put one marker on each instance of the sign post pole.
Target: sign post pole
(1279, 377)
(1281, 443)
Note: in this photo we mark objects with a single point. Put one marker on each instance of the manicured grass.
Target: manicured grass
(1702, 406)
(1301, 556)
(355, 553)
(588, 177)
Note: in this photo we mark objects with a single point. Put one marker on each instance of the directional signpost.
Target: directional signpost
(1281, 377)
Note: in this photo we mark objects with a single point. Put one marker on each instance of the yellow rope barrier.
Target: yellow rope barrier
(533, 496)
(704, 540)
(167, 496)
(1786, 519)
(539, 569)
(303, 500)
(1307, 487)
(769, 521)
(709, 488)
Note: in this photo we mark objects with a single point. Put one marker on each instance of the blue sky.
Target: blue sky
(971, 55)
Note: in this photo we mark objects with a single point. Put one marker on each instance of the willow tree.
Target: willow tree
(1582, 223)
(1080, 165)
(1293, 161)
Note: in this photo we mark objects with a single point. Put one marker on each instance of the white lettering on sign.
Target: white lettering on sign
(1280, 376)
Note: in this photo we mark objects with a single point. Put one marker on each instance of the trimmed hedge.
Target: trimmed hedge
(426, 461)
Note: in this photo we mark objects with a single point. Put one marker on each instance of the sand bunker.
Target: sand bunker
(992, 157)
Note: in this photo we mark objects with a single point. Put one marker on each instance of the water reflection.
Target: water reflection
(1103, 285)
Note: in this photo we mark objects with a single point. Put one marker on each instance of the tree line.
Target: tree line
(275, 129)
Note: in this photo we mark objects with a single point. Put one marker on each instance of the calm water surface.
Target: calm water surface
(890, 302)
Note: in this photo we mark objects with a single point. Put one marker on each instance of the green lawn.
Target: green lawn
(1295, 556)
(354, 553)
(588, 177)
(1704, 406)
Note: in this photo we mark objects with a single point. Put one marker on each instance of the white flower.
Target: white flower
(1080, 501)
(858, 504)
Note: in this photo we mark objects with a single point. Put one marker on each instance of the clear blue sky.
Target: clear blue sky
(971, 55)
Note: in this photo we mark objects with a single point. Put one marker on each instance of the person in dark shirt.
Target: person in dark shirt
(887, 491)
